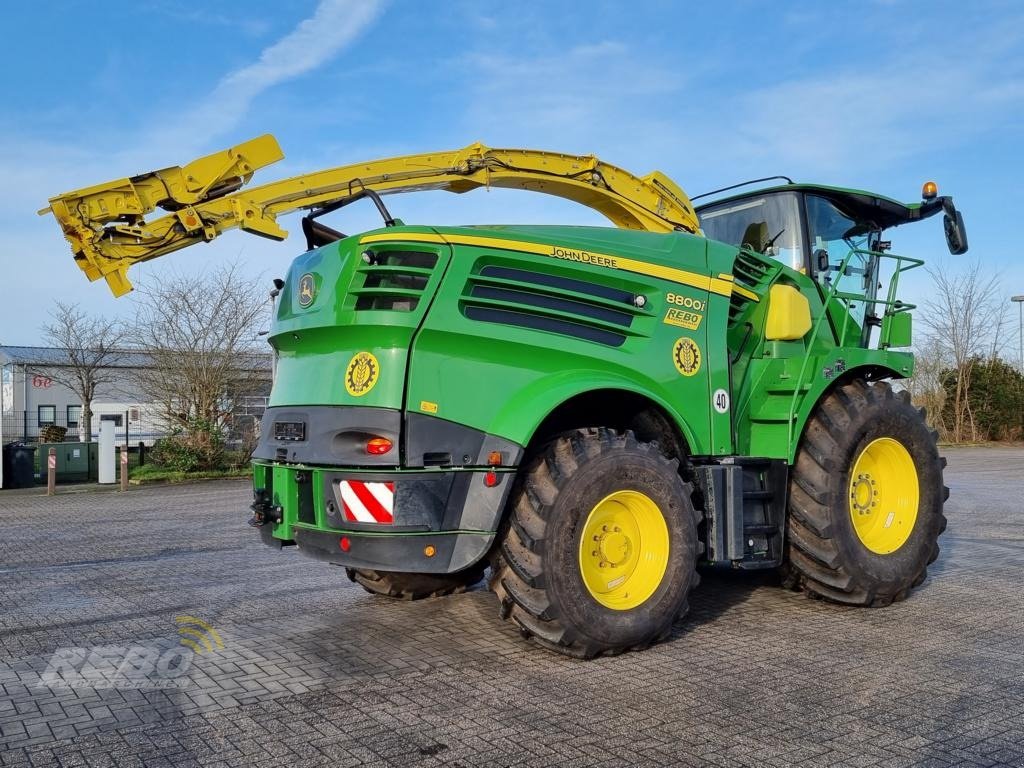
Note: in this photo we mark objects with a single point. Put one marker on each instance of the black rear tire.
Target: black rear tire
(537, 573)
(415, 586)
(826, 557)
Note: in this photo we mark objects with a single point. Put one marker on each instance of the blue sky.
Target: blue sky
(877, 95)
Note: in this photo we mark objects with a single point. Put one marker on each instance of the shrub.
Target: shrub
(199, 447)
(995, 400)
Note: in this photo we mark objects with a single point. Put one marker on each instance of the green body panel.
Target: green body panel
(314, 344)
(505, 379)
(776, 384)
(500, 379)
(506, 324)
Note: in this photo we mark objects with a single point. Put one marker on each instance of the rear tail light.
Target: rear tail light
(378, 446)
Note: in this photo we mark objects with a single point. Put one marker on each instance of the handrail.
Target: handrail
(891, 302)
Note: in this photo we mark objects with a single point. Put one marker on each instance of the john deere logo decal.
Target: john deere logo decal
(307, 290)
(362, 373)
(686, 356)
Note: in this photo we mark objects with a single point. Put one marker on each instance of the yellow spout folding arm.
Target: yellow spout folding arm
(105, 223)
(108, 233)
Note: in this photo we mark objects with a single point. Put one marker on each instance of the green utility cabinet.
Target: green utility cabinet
(76, 462)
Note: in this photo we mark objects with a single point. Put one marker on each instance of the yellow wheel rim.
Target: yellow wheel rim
(884, 495)
(623, 550)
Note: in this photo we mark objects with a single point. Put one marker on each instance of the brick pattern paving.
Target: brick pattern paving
(316, 672)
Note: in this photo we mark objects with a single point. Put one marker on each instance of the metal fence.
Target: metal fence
(31, 427)
(131, 427)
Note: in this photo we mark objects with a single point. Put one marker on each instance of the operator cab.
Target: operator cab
(832, 235)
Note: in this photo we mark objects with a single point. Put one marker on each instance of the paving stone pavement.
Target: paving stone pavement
(313, 671)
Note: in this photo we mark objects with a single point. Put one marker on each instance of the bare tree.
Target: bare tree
(926, 386)
(200, 334)
(88, 347)
(966, 316)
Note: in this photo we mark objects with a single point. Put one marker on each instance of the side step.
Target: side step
(744, 509)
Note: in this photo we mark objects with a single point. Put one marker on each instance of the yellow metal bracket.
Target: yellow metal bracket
(108, 233)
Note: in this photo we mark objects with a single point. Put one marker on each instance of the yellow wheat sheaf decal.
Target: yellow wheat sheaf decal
(197, 634)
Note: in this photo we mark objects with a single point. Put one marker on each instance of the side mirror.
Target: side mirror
(956, 232)
(821, 259)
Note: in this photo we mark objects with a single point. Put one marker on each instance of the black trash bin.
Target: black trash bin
(19, 465)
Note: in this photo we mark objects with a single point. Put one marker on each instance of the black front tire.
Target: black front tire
(825, 556)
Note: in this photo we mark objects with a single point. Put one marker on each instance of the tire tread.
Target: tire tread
(517, 566)
(814, 564)
(415, 586)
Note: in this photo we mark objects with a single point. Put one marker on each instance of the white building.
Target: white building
(30, 398)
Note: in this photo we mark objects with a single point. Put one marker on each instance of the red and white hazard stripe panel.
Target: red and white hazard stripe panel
(368, 502)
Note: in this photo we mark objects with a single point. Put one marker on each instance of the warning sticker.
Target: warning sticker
(686, 356)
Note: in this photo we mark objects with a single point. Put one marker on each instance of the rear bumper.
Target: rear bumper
(335, 435)
(452, 551)
(452, 513)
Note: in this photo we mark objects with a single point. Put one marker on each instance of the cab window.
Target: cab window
(768, 224)
(833, 236)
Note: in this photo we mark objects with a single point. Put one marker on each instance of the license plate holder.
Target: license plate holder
(292, 431)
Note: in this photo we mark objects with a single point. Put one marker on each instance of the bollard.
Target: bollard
(124, 468)
(51, 472)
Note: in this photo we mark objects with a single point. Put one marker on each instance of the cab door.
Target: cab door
(843, 267)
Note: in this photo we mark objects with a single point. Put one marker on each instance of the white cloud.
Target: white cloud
(870, 114)
(580, 99)
(33, 168)
(840, 113)
(251, 25)
(313, 42)
(846, 119)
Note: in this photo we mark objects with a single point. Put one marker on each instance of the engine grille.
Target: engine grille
(553, 303)
(394, 281)
(750, 273)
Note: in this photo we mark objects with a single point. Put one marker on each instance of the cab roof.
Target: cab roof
(868, 207)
